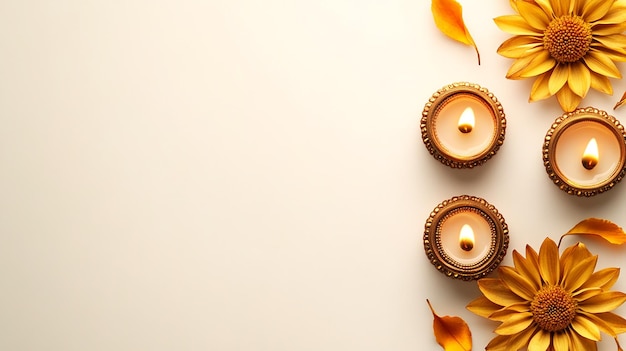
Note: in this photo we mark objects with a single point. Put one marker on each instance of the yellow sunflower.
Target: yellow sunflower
(568, 45)
(551, 302)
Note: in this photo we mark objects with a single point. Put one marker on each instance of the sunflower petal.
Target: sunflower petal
(483, 307)
(615, 15)
(515, 324)
(577, 275)
(586, 328)
(567, 99)
(604, 279)
(559, 8)
(558, 78)
(601, 64)
(533, 15)
(604, 302)
(549, 262)
(604, 327)
(601, 83)
(542, 63)
(615, 42)
(518, 284)
(579, 79)
(608, 29)
(560, 341)
(497, 292)
(593, 10)
(520, 64)
(546, 7)
(498, 343)
(577, 342)
(617, 323)
(572, 255)
(516, 25)
(540, 341)
(526, 269)
(520, 340)
(540, 90)
(519, 45)
(584, 294)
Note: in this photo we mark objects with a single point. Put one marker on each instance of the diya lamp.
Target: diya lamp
(585, 152)
(463, 125)
(465, 237)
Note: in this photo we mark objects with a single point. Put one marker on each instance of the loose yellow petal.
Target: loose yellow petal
(602, 228)
(452, 333)
(621, 101)
(448, 15)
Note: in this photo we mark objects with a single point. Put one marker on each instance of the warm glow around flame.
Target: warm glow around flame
(466, 237)
(591, 156)
(466, 121)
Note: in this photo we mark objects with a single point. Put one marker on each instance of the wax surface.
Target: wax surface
(571, 146)
(451, 229)
(465, 145)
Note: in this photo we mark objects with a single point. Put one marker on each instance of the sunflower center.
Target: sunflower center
(553, 308)
(567, 38)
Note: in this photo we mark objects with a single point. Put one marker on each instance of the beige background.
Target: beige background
(248, 175)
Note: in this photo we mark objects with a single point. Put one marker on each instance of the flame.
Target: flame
(591, 156)
(466, 237)
(466, 121)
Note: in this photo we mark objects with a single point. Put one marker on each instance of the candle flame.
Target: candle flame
(591, 156)
(466, 121)
(466, 238)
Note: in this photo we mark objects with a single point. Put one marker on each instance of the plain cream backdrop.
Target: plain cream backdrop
(249, 175)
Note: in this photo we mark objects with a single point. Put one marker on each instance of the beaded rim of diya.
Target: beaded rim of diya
(448, 265)
(443, 97)
(562, 123)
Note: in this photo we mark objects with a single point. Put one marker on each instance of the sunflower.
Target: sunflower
(568, 45)
(551, 302)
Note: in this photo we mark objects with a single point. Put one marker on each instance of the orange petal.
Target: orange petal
(602, 228)
(448, 15)
(452, 333)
